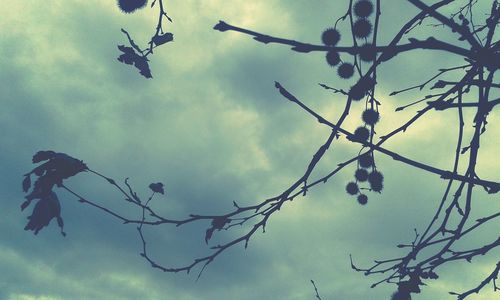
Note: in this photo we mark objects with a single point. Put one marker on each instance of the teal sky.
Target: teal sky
(213, 128)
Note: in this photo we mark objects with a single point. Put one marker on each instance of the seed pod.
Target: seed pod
(362, 199)
(332, 58)
(363, 8)
(361, 134)
(330, 37)
(345, 70)
(352, 188)
(361, 175)
(370, 116)
(129, 6)
(362, 28)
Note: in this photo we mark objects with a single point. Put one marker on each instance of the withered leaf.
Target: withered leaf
(46, 209)
(163, 38)
(157, 188)
(26, 183)
(130, 57)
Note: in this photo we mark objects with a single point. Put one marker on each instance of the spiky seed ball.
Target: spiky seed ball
(371, 116)
(365, 160)
(362, 199)
(363, 8)
(366, 83)
(377, 187)
(361, 134)
(362, 28)
(376, 180)
(361, 175)
(357, 93)
(401, 294)
(375, 177)
(129, 6)
(330, 37)
(359, 90)
(367, 53)
(345, 70)
(352, 188)
(332, 58)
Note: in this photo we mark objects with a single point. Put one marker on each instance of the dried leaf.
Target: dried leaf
(130, 57)
(208, 234)
(157, 188)
(47, 208)
(219, 222)
(162, 39)
(26, 183)
(43, 155)
(56, 168)
(25, 204)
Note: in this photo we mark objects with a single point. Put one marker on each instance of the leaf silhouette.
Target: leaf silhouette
(130, 57)
(217, 223)
(47, 208)
(163, 38)
(208, 234)
(43, 155)
(56, 168)
(26, 183)
(157, 188)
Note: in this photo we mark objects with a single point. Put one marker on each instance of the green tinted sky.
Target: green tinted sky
(213, 128)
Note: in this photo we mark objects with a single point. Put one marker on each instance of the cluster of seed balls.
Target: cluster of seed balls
(366, 170)
(366, 161)
(361, 29)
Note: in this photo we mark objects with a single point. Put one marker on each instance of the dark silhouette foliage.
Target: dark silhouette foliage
(46, 209)
(476, 45)
(130, 57)
(56, 168)
(135, 55)
(157, 188)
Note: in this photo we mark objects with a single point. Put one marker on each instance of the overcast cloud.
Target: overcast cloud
(213, 128)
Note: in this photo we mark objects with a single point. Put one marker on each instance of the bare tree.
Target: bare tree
(433, 246)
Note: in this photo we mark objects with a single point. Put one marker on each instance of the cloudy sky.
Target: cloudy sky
(213, 128)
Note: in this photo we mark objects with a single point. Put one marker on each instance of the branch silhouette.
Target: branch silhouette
(431, 248)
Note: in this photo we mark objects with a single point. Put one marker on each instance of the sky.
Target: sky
(211, 126)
